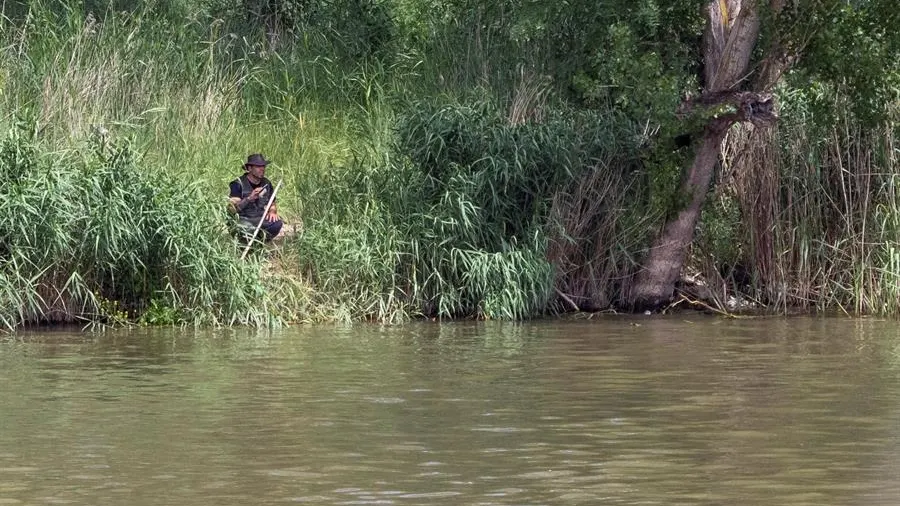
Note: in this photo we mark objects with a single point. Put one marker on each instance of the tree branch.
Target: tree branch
(745, 106)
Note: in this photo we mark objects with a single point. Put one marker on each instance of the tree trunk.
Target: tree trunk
(731, 35)
(656, 281)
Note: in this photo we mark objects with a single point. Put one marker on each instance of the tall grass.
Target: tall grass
(819, 210)
(465, 206)
(458, 221)
(91, 235)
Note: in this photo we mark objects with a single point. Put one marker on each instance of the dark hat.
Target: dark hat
(257, 159)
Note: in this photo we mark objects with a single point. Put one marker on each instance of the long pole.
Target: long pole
(259, 225)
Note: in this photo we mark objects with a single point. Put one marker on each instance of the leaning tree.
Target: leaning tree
(747, 47)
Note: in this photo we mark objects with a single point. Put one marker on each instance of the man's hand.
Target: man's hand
(254, 195)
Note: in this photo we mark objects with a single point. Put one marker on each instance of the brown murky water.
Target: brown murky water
(643, 411)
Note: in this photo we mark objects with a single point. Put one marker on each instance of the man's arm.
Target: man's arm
(234, 197)
(235, 202)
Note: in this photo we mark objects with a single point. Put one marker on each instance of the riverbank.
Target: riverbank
(458, 163)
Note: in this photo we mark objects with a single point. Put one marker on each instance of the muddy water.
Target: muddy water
(608, 411)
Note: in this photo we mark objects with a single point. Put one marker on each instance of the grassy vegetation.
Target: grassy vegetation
(808, 213)
(90, 233)
(461, 224)
(444, 171)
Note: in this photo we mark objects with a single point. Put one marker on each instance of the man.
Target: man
(249, 196)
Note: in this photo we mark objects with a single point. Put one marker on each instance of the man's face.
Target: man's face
(257, 171)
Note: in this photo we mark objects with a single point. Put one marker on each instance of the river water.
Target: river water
(682, 410)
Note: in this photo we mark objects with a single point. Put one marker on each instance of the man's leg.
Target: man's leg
(272, 229)
(245, 229)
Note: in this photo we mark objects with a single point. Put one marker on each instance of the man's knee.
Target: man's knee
(273, 228)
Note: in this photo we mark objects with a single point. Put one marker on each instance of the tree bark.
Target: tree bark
(656, 281)
(731, 35)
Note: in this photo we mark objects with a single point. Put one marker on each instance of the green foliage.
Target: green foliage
(351, 29)
(851, 47)
(506, 170)
(663, 167)
(720, 235)
(485, 197)
(160, 313)
(169, 10)
(455, 222)
(272, 14)
(92, 234)
(625, 77)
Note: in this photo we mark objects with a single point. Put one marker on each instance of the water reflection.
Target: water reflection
(609, 411)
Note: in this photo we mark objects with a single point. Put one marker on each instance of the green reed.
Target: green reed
(92, 235)
(819, 210)
(458, 220)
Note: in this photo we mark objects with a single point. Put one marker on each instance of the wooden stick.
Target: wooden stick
(261, 220)
(567, 299)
